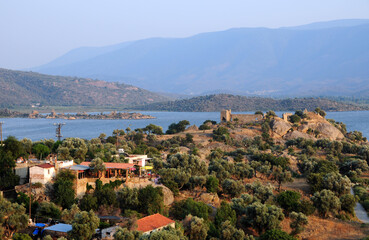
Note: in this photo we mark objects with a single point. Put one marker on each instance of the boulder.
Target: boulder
(329, 131)
(280, 127)
(209, 198)
(325, 129)
(192, 128)
(297, 134)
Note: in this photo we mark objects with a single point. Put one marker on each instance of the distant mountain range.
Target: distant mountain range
(19, 88)
(319, 59)
(218, 102)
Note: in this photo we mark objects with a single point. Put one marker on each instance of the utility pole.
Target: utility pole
(58, 130)
(1, 133)
(117, 138)
(30, 196)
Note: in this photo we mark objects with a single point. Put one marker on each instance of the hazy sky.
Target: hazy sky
(34, 32)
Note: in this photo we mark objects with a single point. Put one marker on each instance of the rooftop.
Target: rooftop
(61, 227)
(152, 222)
(45, 165)
(112, 165)
(79, 168)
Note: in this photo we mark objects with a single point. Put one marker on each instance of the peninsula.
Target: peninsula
(71, 116)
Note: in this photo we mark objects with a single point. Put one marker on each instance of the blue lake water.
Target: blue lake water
(36, 129)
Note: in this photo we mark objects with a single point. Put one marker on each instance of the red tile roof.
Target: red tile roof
(112, 165)
(152, 222)
(45, 165)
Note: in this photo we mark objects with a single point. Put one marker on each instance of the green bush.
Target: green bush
(276, 234)
(188, 206)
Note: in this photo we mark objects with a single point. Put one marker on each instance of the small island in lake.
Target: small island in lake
(81, 115)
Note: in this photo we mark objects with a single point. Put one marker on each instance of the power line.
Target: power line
(58, 130)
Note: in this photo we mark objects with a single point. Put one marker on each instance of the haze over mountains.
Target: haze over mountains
(319, 59)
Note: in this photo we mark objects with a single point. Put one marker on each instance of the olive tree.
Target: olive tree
(263, 217)
(326, 201)
(84, 225)
(299, 221)
(195, 227)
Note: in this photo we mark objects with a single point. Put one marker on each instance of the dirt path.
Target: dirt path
(360, 212)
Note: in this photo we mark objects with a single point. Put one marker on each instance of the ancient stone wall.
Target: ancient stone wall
(225, 115)
(247, 118)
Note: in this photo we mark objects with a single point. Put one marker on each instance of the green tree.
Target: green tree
(229, 232)
(225, 213)
(98, 166)
(40, 150)
(260, 191)
(21, 236)
(12, 217)
(281, 176)
(128, 198)
(232, 188)
(326, 201)
(195, 228)
(336, 183)
(177, 127)
(88, 202)
(68, 214)
(348, 203)
(212, 184)
(84, 225)
(8, 179)
(276, 234)
(289, 200)
(188, 206)
(15, 147)
(263, 217)
(63, 189)
(106, 196)
(151, 200)
(76, 147)
(240, 204)
(153, 129)
(49, 210)
(299, 221)
(221, 134)
(125, 234)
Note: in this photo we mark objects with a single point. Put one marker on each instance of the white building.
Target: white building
(42, 173)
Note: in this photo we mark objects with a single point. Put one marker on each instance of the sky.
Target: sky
(34, 32)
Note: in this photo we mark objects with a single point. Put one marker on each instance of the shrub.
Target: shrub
(276, 234)
(289, 200)
(188, 206)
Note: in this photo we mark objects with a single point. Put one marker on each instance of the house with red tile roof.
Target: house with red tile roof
(42, 173)
(153, 223)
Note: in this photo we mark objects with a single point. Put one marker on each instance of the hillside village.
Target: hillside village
(250, 176)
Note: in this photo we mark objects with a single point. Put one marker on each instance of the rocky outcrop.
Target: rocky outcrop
(192, 128)
(325, 130)
(209, 198)
(297, 134)
(329, 131)
(280, 127)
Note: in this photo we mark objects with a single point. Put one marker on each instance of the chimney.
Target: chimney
(56, 164)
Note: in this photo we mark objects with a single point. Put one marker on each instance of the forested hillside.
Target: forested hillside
(19, 88)
(218, 102)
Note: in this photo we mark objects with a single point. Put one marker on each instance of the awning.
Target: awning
(61, 227)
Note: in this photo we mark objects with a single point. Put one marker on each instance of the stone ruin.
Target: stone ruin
(227, 116)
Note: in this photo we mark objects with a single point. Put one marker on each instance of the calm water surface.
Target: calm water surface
(36, 129)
